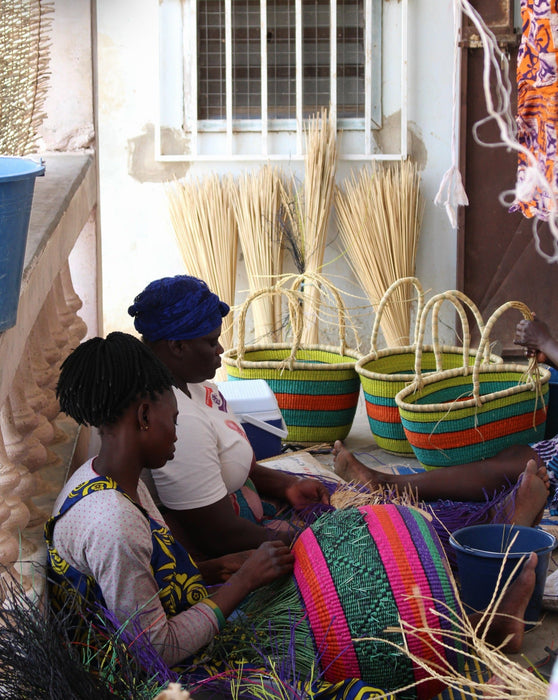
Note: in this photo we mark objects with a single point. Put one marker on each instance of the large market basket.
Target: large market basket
(456, 417)
(384, 373)
(372, 597)
(316, 386)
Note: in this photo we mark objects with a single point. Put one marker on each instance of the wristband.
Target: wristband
(217, 611)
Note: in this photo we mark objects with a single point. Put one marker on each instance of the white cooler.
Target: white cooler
(255, 406)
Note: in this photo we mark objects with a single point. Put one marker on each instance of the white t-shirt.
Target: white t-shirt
(213, 455)
(106, 536)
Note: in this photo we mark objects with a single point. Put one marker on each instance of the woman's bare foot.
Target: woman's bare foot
(531, 495)
(508, 621)
(348, 467)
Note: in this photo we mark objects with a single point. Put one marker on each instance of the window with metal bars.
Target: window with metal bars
(232, 68)
(280, 27)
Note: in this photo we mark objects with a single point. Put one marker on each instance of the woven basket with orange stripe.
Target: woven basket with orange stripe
(365, 570)
(458, 416)
(316, 386)
(384, 373)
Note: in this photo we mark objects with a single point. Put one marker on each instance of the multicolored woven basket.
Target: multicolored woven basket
(384, 373)
(359, 572)
(316, 386)
(457, 417)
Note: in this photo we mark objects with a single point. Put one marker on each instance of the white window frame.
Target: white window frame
(184, 67)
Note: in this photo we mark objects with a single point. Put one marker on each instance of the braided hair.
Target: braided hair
(103, 376)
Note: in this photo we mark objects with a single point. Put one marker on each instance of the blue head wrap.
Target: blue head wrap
(177, 308)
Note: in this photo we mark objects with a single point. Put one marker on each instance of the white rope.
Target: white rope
(498, 105)
(451, 192)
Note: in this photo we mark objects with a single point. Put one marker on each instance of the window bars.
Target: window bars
(229, 68)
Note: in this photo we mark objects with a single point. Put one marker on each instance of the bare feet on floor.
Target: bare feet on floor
(531, 496)
(509, 618)
(348, 467)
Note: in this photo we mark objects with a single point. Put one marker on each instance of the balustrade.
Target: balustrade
(36, 444)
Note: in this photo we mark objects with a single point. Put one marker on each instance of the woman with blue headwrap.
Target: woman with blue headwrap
(211, 490)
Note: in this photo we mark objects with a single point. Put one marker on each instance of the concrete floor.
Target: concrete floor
(361, 441)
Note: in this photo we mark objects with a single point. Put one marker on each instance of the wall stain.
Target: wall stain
(388, 139)
(142, 165)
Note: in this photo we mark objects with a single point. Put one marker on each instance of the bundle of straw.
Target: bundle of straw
(256, 200)
(319, 182)
(25, 27)
(508, 679)
(379, 214)
(206, 231)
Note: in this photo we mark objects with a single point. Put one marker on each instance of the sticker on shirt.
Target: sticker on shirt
(214, 398)
(234, 426)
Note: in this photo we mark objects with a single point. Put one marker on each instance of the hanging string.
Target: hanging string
(451, 192)
(498, 105)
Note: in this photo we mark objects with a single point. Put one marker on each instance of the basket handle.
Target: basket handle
(485, 342)
(381, 306)
(323, 283)
(295, 315)
(458, 299)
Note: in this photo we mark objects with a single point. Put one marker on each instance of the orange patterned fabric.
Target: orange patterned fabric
(537, 108)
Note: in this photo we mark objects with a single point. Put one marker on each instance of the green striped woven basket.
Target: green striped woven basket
(316, 386)
(384, 373)
(456, 417)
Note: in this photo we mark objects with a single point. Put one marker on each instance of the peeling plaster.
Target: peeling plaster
(142, 165)
(388, 139)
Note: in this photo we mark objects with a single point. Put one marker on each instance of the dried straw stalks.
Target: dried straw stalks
(379, 215)
(319, 183)
(205, 228)
(255, 200)
(306, 213)
(24, 37)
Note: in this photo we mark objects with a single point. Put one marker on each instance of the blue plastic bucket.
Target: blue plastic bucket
(480, 552)
(17, 182)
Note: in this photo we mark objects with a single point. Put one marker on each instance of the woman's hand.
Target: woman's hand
(265, 564)
(299, 492)
(269, 561)
(222, 568)
(304, 492)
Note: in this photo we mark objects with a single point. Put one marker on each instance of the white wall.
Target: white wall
(69, 105)
(137, 240)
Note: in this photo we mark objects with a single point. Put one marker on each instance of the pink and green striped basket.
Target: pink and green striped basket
(359, 572)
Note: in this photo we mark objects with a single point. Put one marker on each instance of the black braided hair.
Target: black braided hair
(102, 376)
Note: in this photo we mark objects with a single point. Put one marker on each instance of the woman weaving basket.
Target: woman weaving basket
(211, 491)
(108, 541)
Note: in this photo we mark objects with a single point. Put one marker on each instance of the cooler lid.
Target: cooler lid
(248, 395)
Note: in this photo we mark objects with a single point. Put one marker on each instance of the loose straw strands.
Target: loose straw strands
(379, 214)
(319, 184)
(255, 200)
(468, 636)
(206, 231)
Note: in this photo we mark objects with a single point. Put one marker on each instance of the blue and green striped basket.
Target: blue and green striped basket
(318, 393)
(384, 373)
(316, 386)
(457, 417)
